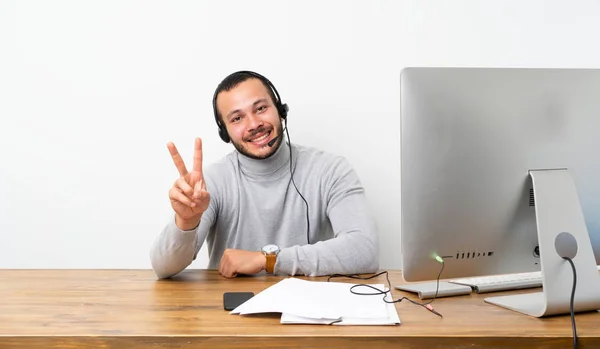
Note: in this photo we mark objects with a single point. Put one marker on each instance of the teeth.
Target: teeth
(260, 138)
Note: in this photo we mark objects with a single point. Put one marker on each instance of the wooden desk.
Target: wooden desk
(132, 309)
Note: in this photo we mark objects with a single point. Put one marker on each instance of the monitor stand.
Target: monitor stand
(561, 232)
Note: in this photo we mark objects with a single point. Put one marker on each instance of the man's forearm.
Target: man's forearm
(352, 253)
(173, 251)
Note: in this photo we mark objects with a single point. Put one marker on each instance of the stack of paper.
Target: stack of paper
(316, 302)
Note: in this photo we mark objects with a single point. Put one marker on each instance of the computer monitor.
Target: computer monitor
(496, 163)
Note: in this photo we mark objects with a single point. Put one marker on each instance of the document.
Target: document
(317, 302)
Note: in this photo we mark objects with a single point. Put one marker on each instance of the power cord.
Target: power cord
(426, 305)
(572, 307)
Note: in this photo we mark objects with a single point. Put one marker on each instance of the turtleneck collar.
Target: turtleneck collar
(265, 167)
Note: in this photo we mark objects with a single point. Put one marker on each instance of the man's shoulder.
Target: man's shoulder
(222, 168)
(316, 153)
(317, 156)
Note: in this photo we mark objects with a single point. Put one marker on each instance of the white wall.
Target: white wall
(91, 91)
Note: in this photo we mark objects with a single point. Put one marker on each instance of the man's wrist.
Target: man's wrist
(187, 224)
(263, 260)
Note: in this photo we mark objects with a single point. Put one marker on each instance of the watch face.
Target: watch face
(270, 248)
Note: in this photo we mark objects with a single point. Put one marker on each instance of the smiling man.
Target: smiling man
(269, 205)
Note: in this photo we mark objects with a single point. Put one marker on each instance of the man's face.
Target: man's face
(251, 118)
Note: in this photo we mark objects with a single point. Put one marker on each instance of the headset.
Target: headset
(282, 108)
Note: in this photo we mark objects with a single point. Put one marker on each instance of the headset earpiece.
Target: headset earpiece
(223, 133)
(283, 110)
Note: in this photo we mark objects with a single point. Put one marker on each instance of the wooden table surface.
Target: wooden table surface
(132, 309)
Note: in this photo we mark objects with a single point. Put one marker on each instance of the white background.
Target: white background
(91, 92)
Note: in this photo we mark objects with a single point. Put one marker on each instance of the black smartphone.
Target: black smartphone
(232, 300)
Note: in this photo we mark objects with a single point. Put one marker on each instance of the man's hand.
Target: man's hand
(188, 195)
(236, 262)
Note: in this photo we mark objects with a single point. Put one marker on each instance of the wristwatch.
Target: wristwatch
(270, 251)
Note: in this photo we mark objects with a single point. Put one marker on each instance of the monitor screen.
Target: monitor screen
(470, 139)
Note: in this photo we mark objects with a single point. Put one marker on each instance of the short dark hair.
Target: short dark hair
(234, 79)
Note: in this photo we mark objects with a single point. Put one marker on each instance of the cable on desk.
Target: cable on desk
(426, 305)
(572, 307)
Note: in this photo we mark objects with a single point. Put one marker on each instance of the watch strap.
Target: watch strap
(271, 259)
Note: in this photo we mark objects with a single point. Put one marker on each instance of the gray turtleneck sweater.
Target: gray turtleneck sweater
(254, 203)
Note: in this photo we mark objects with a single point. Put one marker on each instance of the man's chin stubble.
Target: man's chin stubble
(267, 155)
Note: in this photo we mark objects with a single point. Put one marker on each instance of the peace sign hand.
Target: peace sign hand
(188, 195)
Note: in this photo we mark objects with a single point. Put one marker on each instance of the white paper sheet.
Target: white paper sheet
(318, 302)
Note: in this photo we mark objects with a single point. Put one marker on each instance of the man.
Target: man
(270, 205)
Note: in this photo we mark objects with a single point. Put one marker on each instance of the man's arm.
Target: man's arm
(178, 244)
(355, 247)
(175, 249)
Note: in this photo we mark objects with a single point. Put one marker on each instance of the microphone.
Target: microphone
(272, 141)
